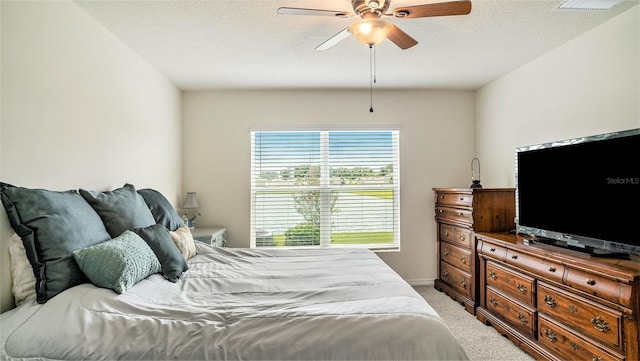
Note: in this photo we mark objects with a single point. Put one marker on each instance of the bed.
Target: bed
(252, 304)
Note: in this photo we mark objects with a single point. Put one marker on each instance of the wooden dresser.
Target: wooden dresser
(559, 304)
(459, 213)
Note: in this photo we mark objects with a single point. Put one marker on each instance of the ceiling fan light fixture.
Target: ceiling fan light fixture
(370, 31)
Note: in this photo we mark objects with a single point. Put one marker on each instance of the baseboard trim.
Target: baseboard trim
(421, 282)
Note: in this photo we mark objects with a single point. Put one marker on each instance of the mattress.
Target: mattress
(252, 304)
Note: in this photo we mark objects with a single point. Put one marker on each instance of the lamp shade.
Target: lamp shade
(370, 31)
(191, 201)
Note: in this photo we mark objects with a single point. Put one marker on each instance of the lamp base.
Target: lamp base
(475, 184)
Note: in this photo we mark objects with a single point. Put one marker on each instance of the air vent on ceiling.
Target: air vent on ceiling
(588, 4)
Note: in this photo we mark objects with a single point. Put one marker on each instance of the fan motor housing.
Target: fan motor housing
(364, 10)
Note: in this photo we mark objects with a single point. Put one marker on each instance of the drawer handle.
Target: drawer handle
(493, 301)
(462, 198)
(549, 301)
(445, 274)
(463, 282)
(445, 252)
(552, 269)
(573, 309)
(574, 345)
(492, 249)
(446, 232)
(441, 197)
(551, 336)
(591, 282)
(463, 259)
(441, 210)
(600, 324)
(460, 214)
(515, 256)
(523, 318)
(597, 358)
(493, 275)
(522, 288)
(461, 237)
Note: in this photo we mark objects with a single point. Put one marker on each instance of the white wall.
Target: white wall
(80, 109)
(588, 86)
(437, 143)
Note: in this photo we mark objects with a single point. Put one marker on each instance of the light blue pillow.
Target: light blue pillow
(118, 263)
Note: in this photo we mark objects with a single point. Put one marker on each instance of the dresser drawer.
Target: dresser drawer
(522, 317)
(447, 232)
(457, 236)
(456, 278)
(570, 346)
(458, 215)
(493, 251)
(458, 257)
(538, 266)
(462, 237)
(454, 199)
(599, 322)
(599, 286)
(514, 284)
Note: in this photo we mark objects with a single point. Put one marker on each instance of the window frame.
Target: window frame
(325, 189)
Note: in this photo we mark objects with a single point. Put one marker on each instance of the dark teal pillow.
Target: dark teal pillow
(119, 263)
(120, 209)
(52, 225)
(162, 210)
(171, 260)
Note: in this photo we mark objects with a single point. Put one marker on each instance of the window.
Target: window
(325, 188)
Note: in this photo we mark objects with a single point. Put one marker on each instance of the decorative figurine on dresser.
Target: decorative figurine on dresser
(460, 212)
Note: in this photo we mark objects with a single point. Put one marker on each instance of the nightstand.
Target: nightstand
(216, 236)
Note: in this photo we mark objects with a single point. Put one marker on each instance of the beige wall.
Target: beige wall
(587, 86)
(80, 109)
(436, 135)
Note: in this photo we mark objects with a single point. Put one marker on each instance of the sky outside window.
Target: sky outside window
(280, 150)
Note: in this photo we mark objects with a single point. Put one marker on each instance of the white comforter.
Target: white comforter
(240, 304)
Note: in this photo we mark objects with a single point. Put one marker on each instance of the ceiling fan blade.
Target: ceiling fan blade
(438, 9)
(400, 38)
(300, 11)
(334, 40)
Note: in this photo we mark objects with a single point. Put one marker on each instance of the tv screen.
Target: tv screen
(585, 191)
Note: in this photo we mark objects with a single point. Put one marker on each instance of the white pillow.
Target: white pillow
(22, 277)
(183, 239)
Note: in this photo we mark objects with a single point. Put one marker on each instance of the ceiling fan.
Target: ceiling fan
(372, 28)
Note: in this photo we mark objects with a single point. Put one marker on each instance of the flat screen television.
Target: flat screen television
(581, 193)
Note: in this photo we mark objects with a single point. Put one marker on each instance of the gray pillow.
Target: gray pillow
(171, 260)
(119, 263)
(52, 225)
(120, 209)
(162, 210)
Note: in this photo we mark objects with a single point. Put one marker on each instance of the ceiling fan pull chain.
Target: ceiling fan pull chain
(371, 77)
(374, 64)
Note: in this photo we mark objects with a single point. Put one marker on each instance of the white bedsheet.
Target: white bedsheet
(232, 304)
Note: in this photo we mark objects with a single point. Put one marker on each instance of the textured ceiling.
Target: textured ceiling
(245, 44)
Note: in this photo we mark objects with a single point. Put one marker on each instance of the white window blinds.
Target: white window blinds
(325, 188)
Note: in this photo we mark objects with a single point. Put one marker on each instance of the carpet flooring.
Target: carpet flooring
(481, 342)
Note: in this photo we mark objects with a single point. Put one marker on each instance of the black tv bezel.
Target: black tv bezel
(594, 246)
